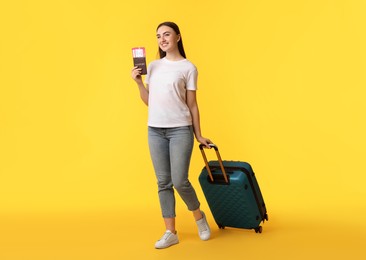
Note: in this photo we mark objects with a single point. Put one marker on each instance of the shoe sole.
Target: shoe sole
(167, 246)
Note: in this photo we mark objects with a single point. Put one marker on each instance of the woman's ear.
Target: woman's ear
(178, 38)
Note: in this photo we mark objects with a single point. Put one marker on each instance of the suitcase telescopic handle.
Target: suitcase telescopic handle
(218, 158)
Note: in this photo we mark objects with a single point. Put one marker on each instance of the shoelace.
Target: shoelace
(166, 235)
(202, 226)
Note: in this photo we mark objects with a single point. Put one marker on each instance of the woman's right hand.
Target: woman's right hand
(136, 74)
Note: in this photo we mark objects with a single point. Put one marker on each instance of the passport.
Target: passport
(139, 59)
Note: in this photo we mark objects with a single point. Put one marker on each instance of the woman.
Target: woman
(173, 117)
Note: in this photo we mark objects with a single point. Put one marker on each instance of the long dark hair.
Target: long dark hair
(175, 27)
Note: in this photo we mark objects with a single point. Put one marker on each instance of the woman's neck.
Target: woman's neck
(174, 56)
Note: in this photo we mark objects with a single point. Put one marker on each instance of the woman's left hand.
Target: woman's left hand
(205, 141)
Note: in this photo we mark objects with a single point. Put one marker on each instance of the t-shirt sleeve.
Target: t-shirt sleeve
(192, 76)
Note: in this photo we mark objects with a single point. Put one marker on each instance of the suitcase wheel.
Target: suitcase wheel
(258, 229)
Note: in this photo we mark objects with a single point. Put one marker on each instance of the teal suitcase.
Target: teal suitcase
(232, 193)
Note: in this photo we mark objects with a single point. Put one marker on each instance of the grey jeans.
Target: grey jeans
(170, 151)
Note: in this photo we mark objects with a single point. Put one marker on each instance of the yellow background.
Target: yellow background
(281, 85)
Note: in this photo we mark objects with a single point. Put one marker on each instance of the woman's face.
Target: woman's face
(167, 39)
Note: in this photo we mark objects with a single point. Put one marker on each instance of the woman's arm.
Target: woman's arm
(144, 91)
(193, 107)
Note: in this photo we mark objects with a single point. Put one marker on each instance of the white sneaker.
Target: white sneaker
(167, 240)
(203, 228)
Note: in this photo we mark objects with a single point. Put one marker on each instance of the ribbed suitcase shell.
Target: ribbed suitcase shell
(238, 203)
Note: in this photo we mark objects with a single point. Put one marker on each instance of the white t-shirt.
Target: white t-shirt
(168, 83)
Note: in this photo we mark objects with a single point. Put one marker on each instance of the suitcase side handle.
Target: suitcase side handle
(218, 158)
